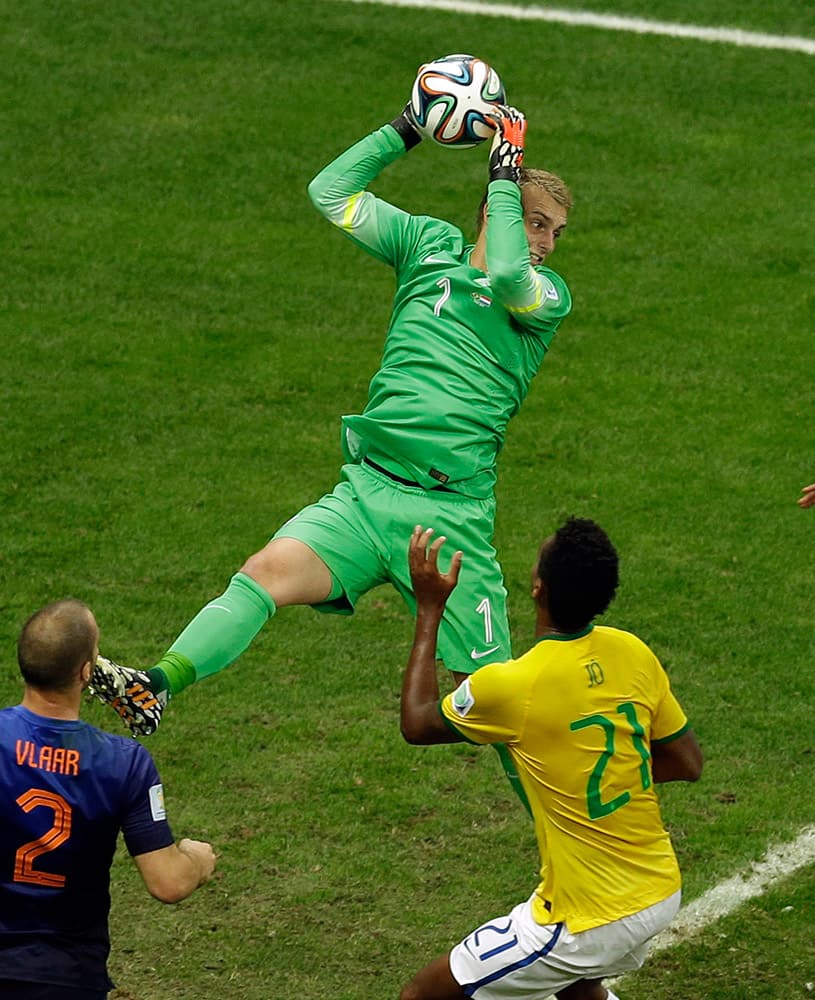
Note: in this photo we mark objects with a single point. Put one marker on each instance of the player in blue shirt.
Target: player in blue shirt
(66, 790)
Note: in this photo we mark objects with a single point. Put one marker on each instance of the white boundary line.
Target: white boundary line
(784, 860)
(611, 22)
(778, 863)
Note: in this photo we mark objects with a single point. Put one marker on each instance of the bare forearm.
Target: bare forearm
(421, 721)
(664, 770)
(422, 682)
(175, 872)
(420, 685)
(678, 760)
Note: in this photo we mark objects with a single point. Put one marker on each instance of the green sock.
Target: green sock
(216, 637)
(175, 673)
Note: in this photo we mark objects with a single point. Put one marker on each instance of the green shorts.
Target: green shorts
(361, 531)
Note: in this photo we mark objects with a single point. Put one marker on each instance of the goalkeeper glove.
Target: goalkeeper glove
(507, 151)
(406, 127)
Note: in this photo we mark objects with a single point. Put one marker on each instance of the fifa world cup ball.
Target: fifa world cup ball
(452, 98)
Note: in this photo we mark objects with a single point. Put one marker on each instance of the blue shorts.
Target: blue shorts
(16, 990)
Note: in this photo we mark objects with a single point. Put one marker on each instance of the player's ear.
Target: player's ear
(85, 672)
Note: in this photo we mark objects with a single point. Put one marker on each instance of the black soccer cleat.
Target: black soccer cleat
(129, 694)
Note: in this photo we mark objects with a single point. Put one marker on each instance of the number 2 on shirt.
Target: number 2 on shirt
(24, 870)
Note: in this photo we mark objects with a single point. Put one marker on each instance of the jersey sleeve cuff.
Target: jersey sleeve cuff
(673, 736)
(406, 132)
(454, 728)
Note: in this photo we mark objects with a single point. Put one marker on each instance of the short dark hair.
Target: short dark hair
(580, 569)
(55, 642)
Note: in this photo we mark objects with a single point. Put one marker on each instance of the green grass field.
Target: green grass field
(181, 332)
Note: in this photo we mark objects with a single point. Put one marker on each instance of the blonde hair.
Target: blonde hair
(548, 182)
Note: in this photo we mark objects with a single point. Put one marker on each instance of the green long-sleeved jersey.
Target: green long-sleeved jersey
(462, 346)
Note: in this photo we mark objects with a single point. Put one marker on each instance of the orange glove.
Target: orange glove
(507, 152)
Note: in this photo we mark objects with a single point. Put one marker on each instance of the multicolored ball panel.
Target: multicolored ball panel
(452, 98)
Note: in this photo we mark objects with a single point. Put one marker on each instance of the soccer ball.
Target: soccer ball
(452, 98)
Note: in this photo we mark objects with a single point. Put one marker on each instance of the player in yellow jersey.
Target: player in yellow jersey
(590, 721)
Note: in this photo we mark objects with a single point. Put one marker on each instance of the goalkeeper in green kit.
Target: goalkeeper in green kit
(470, 327)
